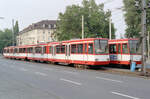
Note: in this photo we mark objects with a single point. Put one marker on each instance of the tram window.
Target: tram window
(101, 46)
(58, 49)
(73, 48)
(44, 50)
(50, 49)
(24, 50)
(80, 48)
(30, 50)
(90, 48)
(135, 46)
(113, 49)
(15, 50)
(38, 50)
(63, 49)
(119, 48)
(20, 50)
(27, 50)
(124, 48)
(85, 48)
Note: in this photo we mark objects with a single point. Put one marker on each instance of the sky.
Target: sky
(32, 11)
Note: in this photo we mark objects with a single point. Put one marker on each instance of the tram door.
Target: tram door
(85, 58)
(125, 52)
(113, 52)
(44, 53)
(119, 52)
(67, 52)
(53, 52)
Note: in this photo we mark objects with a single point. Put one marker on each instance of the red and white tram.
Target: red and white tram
(124, 51)
(90, 51)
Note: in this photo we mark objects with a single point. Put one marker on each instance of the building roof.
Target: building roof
(44, 24)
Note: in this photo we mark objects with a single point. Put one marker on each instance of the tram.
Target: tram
(125, 51)
(89, 51)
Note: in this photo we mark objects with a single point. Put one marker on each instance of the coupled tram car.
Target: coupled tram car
(125, 51)
(89, 51)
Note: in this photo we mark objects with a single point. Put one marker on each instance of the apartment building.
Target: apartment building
(40, 32)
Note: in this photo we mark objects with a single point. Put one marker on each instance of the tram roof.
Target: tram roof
(116, 40)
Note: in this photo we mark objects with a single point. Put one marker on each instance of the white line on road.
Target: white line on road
(23, 69)
(39, 73)
(109, 79)
(73, 82)
(116, 93)
(69, 72)
(48, 69)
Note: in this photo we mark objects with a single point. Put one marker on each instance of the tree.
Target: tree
(5, 38)
(16, 31)
(133, 19)
(96, 21)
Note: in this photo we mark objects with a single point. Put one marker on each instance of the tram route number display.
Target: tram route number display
(113, 57)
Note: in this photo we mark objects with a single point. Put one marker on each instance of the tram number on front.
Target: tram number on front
(113, 57)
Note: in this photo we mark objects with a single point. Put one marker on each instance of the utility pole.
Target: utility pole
(110, 27)
(13, 34)
(82, 27)
(148, 44)
(143, 30)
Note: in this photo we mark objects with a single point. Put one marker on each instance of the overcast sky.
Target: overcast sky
(31, 11)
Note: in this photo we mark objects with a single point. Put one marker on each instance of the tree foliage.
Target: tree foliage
(5, 38)
(133, 19)
(96, 21)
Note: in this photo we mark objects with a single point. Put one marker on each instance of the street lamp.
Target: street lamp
(1, 17)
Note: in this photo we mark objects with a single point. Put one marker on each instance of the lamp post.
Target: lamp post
(1, 17)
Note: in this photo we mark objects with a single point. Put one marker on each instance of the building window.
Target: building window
(49, 26)
(54, 25)
(43, 25)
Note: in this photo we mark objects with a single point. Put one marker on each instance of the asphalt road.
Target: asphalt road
(29, 80)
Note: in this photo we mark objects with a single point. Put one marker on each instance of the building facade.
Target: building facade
(40, 32)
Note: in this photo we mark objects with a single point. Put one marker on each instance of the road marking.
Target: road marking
(116, 93)
(48, 69)
(23, 69)
(74, 73)
(39, 73)
(73, 82)
(109, 79)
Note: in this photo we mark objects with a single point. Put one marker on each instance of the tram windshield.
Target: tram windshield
(135, 47)
(101, 46)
